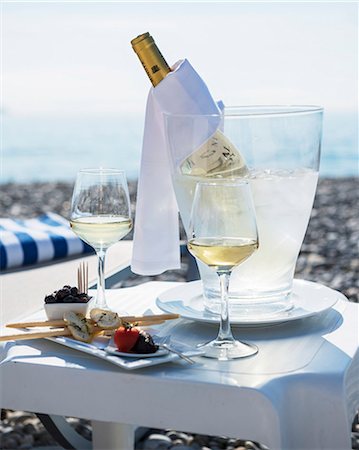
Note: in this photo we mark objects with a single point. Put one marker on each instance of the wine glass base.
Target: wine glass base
(226, 350)
(101, 305)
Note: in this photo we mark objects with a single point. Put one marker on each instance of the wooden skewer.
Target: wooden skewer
(148, 318)
(82, 277)
(103, 332)
(87, 278)
(62, 323)
(46, 323)
(110, 331)
(65, 331)
(158, 318)
(147, 323)
(39, 335)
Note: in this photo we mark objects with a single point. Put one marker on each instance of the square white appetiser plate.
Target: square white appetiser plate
(102, 348)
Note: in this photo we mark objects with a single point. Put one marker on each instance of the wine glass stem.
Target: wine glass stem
(224, 333)
(100, 301)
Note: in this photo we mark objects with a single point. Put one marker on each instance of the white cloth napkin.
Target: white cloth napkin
(156, 234)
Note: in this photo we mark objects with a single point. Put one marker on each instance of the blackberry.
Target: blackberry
(83, 298)
(74, 291)
(62, 293)
(50, 299)
(144, 344)
(67, 294)
(70, 299)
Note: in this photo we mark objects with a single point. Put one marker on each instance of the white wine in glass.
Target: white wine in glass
(101, 231)
(222, 254)
(101, 215)
(223, 234)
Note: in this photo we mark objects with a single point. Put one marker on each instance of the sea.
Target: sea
(54, 148)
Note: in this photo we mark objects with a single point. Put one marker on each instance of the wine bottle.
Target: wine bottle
(218, 156)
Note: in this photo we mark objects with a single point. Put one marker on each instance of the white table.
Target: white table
(299, 392)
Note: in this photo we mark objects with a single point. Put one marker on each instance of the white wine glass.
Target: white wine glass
(101, 215)
(223, 234)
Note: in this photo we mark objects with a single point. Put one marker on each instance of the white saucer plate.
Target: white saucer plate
(308, 300)
(113, 351)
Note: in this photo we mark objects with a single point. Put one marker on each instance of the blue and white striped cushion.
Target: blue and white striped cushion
(31, 241)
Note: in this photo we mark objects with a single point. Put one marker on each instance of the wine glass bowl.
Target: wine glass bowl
(101, 215)
(223, 234)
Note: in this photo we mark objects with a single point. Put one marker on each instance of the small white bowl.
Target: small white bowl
(56, 311)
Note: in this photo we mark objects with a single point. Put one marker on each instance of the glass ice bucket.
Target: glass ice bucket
(277, 148)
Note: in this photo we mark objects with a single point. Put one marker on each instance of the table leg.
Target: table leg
(315, 417)
(112, 436)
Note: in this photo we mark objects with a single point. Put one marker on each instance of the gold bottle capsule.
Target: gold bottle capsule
(151, 58)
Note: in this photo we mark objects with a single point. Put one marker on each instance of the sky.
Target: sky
(75, 58)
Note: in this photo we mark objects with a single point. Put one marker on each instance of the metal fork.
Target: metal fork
(164, 342)
(176, 352)
(83, 277)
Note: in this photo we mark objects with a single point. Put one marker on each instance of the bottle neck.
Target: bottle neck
(151, 58)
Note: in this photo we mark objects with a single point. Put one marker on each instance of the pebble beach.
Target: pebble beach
(329, 255)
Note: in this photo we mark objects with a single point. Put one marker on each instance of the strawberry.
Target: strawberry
(126, 337)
